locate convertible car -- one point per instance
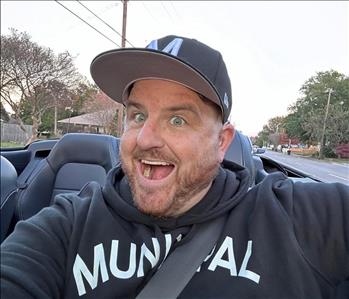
(33, 175)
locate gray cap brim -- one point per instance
(113, 72)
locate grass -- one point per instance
(337, 160)
(334, 160)
(10, 144)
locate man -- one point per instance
(279, 239)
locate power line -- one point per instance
(149, 12)
(173, 7)
(164, 7)
(103, 21)
(87, 23)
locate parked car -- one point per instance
(258, 150)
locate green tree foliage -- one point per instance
(33, 78)
(270, 131)
(307, 115)
(262, 137)
(72, 104)
(294, 127)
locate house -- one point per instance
(107, 121)
(102, 116)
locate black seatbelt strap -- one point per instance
(180, 266)
(22, 180)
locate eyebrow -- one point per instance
(184, 107)
(175, 108)
(131, 103)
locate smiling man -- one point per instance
(279, 239)
(172, 146)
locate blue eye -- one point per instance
(177, 121)
(139, 117)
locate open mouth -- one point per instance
(155, 170)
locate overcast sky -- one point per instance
(270, 48)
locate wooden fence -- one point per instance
(13, 133)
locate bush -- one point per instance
(329, 153)
(315, 155)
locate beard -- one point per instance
(189, 181)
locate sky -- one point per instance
(270, 47)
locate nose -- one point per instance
(150, 136)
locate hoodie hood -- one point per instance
(227, 190)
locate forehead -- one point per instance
(164, 93)
(161, 88)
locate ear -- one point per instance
(226, 136)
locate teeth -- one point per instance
(155, 163)
(146, 172)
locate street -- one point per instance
(324, 171)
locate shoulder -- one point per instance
(79, 202)
(280, 185)
(277, 189)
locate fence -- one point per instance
(13, 133)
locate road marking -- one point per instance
(338, 164)
(338, 177)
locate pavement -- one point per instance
(325, 171)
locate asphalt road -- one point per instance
(324, 171)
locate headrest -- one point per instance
(85, 148)
(8, 178)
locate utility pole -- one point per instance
(124, 17)
(121, 109)
(55, 121)
(321, 154)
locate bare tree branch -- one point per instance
(33, 76)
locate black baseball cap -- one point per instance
(179, 59)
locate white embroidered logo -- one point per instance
(226, 100)
(172, 48)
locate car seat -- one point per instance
(8, 194)
(240, 152)
(76, 159)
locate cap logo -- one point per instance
(172, 48)
(226, 100)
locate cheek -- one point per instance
(127, 143)
(197, 147)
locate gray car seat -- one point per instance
(8, 194)
(76, 159)
(240, 152)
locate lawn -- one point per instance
(10, 144)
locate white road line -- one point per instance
(343, 165)
(338, 177)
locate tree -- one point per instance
(271, 131)
(4, 115)
(109, 113)
(68, 103)
(33, 78)
(306, 118)
(293, 125)
(263, 136)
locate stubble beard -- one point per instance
(198, 177)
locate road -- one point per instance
(324, 171)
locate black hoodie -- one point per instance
(281, 240)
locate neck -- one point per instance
(188, 204)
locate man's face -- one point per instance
(172, 146)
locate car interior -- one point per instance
(31, 177)
(36, 174)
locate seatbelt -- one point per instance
(180, 266)
(22, 180)
(22, 184)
